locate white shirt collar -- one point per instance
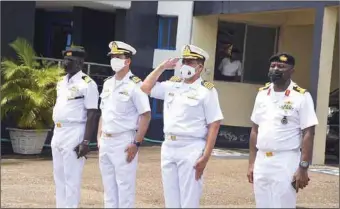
(74, 77)
(126, 77)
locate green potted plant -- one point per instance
(28, 94)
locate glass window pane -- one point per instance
(229, 34)
(260, 45)
(173, 32)
(165, 33)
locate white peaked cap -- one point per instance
(119, 47)
(194, 52)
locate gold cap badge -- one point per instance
(114, 48)
(283, 58)
(187, 51)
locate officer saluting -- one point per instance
(283, 121)
(74, 115)
(125, 109)
(192, 118)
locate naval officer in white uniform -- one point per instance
(125, 109)
(75, 118)
(283, 123)
(192, 118)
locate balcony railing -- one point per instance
(98, 72)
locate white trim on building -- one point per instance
(184, 11)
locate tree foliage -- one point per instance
(28, 90)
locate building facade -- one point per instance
(158, 30)
(307, 30)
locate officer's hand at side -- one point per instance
(200, 166)
(82, 149)
(169, 63)
(250, 173)
(301, 178)
(131, 150)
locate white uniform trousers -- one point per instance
(178, 158)
(67, 169)
(273, 175)
(118, 176)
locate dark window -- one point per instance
(58, 39)
(260, 46)
(167, 32)
(252, 47)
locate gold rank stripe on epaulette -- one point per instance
(135, 79)
(175, 79)
(86, 78)
(107, 78)
(208, 85)
(266, 86)
(299, 89)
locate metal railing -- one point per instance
(98, 72)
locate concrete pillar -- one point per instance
(204, 35)
(323, 47)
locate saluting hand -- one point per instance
(169, 63)
(200, 166)
(131, 150)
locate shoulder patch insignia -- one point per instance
(86, 78)
(266, 86)
(299, 89)
(175, 79)
(208, 85)
(135, 79)
(107, 78)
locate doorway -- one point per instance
(58, 30)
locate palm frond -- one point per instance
(48, 76)
(28, 119)
(24, 51)
(16, 83)
(28, 90)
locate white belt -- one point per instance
(273, 153)
(173, 137)
(109, 135)
(68, 124)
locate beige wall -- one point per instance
(298, 41)
(335, 68)
(236, 99)
(296, 37)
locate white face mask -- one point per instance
(117, 64)
(187, 71)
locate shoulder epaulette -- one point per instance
(107, 78)
(207, 85)
(135, 79)
(266, 86)
(299, 89)
(86, 78)
(175, 79)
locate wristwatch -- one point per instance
(86, 142)
(304, 164)
(137, 143)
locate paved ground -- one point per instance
(29, 183)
